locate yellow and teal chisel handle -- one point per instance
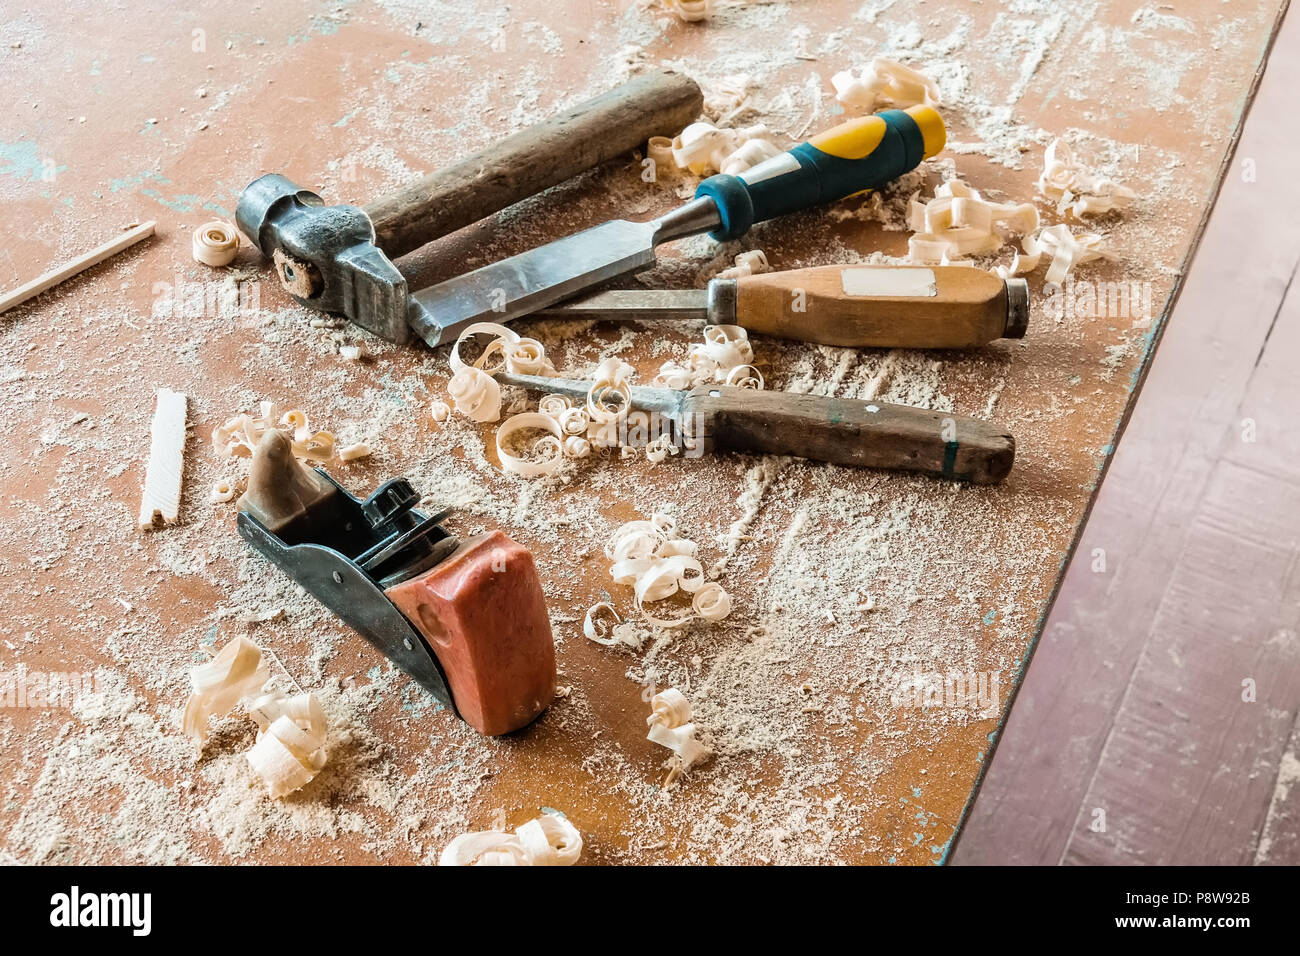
(862, 153)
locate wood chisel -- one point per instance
(863, 153)
(910, 307)
(842, 431)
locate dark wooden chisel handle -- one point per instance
(849, 431)
(573, 141)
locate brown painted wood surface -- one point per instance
(1183, 582)
(560, 147)
(810, 305)
(360, 102)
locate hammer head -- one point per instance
(325, 256)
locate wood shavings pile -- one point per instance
(1077, 189)
(238, 437)
(290, 748)
(548, 840)
(650, 557)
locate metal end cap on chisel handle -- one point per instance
(325, 256)
(1017, 309)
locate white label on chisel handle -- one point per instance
(889, 282)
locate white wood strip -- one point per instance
(161, 501)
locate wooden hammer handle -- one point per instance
(850, 431)
(534, 159)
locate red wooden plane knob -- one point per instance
(484, 614)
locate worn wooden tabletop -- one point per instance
(843, 582)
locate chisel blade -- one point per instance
(633, 304)
(531, 280)
(551, 273)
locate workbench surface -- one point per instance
(842, 581)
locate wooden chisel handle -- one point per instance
(849, 431)
(534, 159)
(915, 307)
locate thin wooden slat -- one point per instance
(80, 264)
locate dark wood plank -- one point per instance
(1191, 768)
(1030, 801)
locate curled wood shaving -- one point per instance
(690, 10)
(748, 263)
(745, 376)
(659, 449)
(650, 557)
(215, 243)
(290, 747)
(748, 155)
(549, 446)
(548, 840)
(613, 376)
(711, 602)
(239, 436)
(476, 394)
(439, 411)
(1067, 250)
(725, 348)
(353, 353)
(670, 726)
(703, 148)
(223, 491)
(528, 357)
(659, 149)
(598, 630)
(1076, 188)
(884, 79)
(958, 222)
(236, 672)
(554, 405)
(575, 446)
(574, 421)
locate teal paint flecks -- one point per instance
(916, 791)
(181, 202)
(990, 617)
(1108, 449)
(346, 118)
(185, 202)
(134, 182)
(22, 160)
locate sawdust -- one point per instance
(841, 580)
